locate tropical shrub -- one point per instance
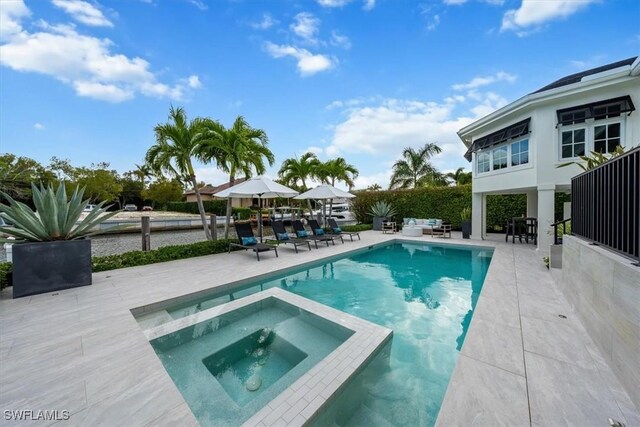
(56, 217)
(6, 272)
(465, 214)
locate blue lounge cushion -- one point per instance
(301, 233)
(247, 241)
(337, 229)
(319, 231)
(283, 236)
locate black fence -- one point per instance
(605, 204)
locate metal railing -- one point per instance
(605, 204)
(561, 228)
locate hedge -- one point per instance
(356, 228)
(217, 207)
(447, 203)
(136, 258)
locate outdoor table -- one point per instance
(527, 224)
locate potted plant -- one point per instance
(465, 216)
(381, 211)
(51, 250)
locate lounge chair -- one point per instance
(282, 237)
(302, 233)
(248, 240)
(338, 231)
(319, 232)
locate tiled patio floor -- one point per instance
(81, 350)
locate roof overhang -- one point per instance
(617, 75)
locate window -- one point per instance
(573, 143)
(520, 153)
(484, 162)
(500, 158)
(606, 137)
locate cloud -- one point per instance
(455, 2)
(340, 40)
(381, 178)
(86, 63)
(11, 13)
(211, 175)
(333, 3)
(433, 23)
(38, 126)
(267, 22)
(480, 81)
(369, 5)
(83, 12)
(199, 4)
(306, 26)
(308, 63)
(533, 14)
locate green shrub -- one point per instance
(356, 228)
(217, 207)
(167, 253)
(447, 203)
(6, 273)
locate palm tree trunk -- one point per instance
(227, 223)
(203, 217)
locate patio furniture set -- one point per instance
(417, 227)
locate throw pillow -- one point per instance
(283, 236)
(249, 241)
(337, 229)
(319, 231)
(301, 233)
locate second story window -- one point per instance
(573, 143)
(484, 162)
(606, 137)
(500, 158)
(520, 153)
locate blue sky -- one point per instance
(88, 80)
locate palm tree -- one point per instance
(177, 142)
(294, 171)
(374, 187)
(415, 169)
(142, 172)
(239, 148)
(460, 177)
(336, 170)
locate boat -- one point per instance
(341, 212)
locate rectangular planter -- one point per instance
(466, 229)
(50, 266)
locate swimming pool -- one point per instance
(425, 293)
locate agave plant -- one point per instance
(382, 209)
(56, 217)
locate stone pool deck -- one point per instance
(82, 351)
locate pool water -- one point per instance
(425, 293)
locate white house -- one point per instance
(517, 149)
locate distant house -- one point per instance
(517, 148)
(207, 193)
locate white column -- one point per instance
(478, 215)
(546, 208)
(532, 204)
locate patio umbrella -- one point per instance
(260, 187)
(325, 192)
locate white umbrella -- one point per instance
(260, 187)
(325, 192)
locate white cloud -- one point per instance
(455, 2)
(308, 63)
(381, 178)
(532, 14)
(267, 22)
(213, 176)
(11, 13)
(479, 81)
(86, 63)
(38, 126)
(199, 4)
(306, 26)
(340, 40)
(489, 102)
(433, 23)
(369, 5)
(333, 3)
(83, 12)
(313, 149)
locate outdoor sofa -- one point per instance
(427, 225)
